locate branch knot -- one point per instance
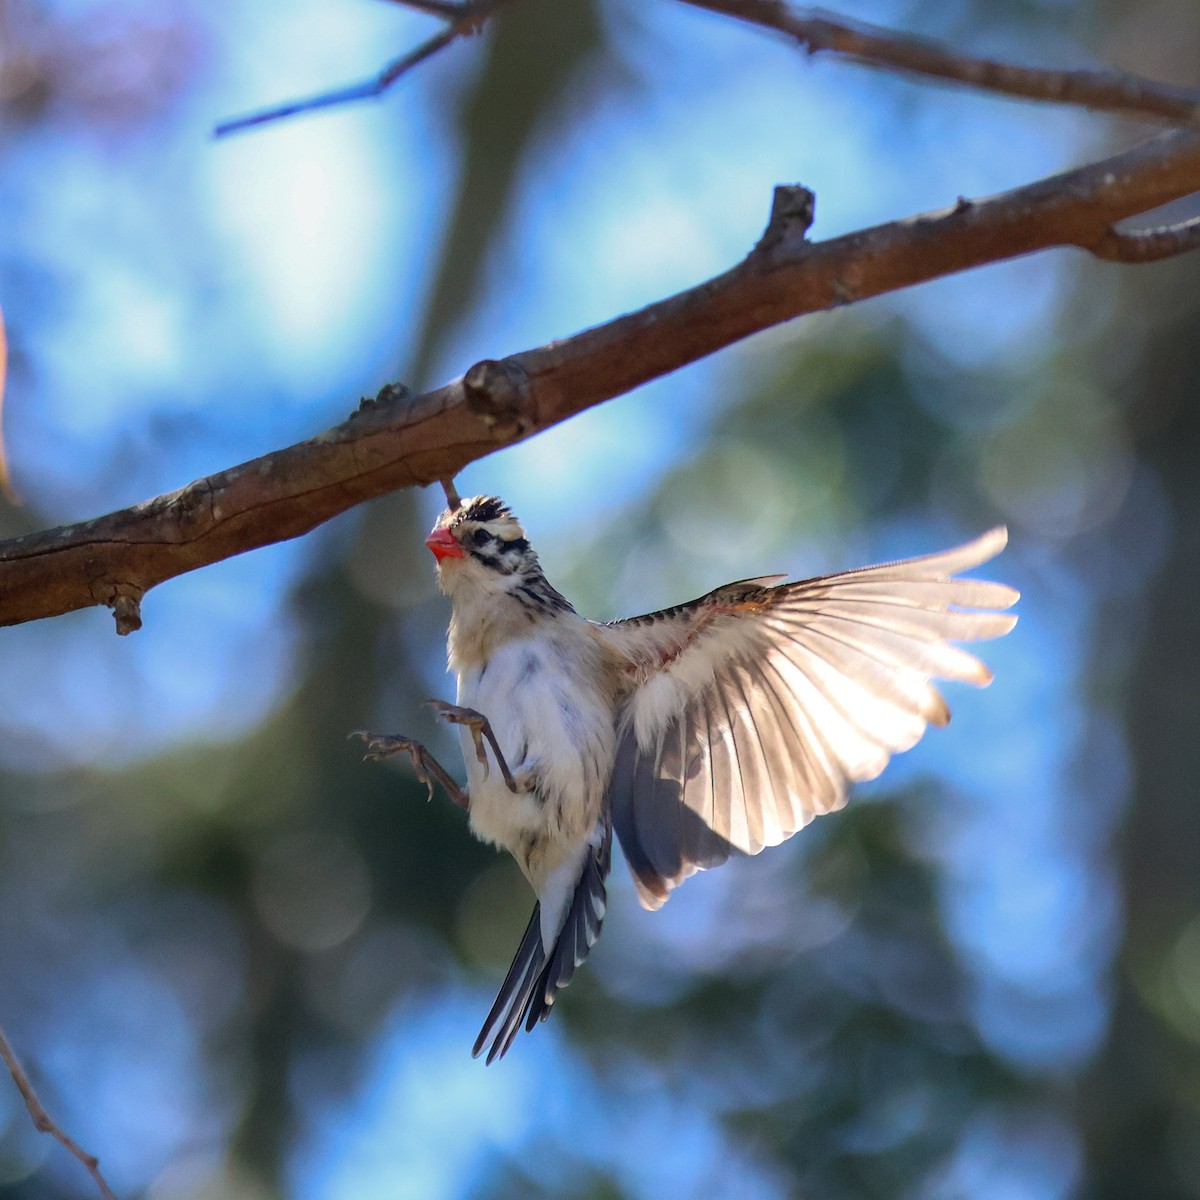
(497, 392)
(388, 396)
(793, 208)
(125, 600)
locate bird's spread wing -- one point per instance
(754, 706)
(537, 972)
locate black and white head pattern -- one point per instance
(491, 536)
(489, 533)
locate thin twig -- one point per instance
(453, 499)
(446, 9)
(873, 46)
(6, 487)
(465, 19)
(1148, 245)
(44, 1123)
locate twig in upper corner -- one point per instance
(873, 46)
(448, 9)
(465, 18)
(44, 1123)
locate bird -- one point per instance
(709, 730)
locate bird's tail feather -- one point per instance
(515, 993)
(533, 980)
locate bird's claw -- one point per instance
(425, 767)
(473, 721)
(381, 746)
(417, 758)
(480, 728)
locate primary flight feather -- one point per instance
(718, 727)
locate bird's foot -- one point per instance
(424, 765)
(480, 728)
(474, 721)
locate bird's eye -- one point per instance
(481, 537)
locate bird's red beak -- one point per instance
(443, 544)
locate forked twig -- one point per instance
(818, 31)
(465, 18)
(1148, 245)
(44, 1123)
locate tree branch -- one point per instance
(449, 9)
(397, 441)
(1148, 245)
(44, 1123)
(467, 17)
(873, 46)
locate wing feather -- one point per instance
(934, 660)
(769, 788)
(883, 714)
(659, 809)
(715, 784)
(774, 782)
(920, 593)
(906, 689)
(801, 739)
(752, 790)
(753, 708)
(930, 624)
(940, 565)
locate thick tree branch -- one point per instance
(397, 441)
(44, 1123)
(872, 46)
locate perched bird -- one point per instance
(707, 730)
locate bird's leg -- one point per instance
(426, 767)
(480, 728)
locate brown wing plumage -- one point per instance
(755, 706)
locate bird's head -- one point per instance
(480, 545)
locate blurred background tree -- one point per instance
(241, 964)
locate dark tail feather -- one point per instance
(530, 986)
(579, 932)
(515, 992)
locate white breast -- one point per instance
(554, 727)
